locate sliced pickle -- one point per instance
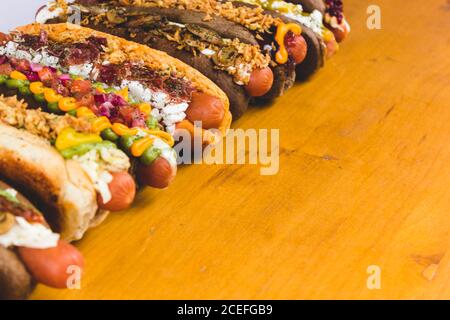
(225, 57)
(115, 17)
(190, 41)
(145, 21)
(205, 34)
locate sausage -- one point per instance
(50, 266)
(207, 109)
(261, 81)
(296, 46)
(341, 32)
(123, 191)
(159, 174)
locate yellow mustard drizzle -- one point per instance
(67, 104)
(85, 112)
(166, 137)
(327, 35)
(51, 96)
(282, 54)
(69, 138)
(16, 75)
(122, 130)
(138, 148)
(37, 87)
(100, 123)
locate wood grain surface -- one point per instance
(364, 180)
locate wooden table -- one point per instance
(364, 180)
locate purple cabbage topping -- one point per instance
(31, 76)
(113, 99)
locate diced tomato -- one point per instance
(81, 87)
(47, 75)
(127, 113)
(59, 87)
(67, 83)
(32, 217)
(5, 69)
(86, 100)
(20, 65)
(131, 116)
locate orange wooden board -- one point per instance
(364, 180)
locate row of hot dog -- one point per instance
(90, 113)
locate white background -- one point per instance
(18, 12)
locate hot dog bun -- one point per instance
(122, 50)
(60, 186)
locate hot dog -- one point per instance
(139, 74)
(262, 25)
(29, 251)
(322, 43)
(333, 15)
